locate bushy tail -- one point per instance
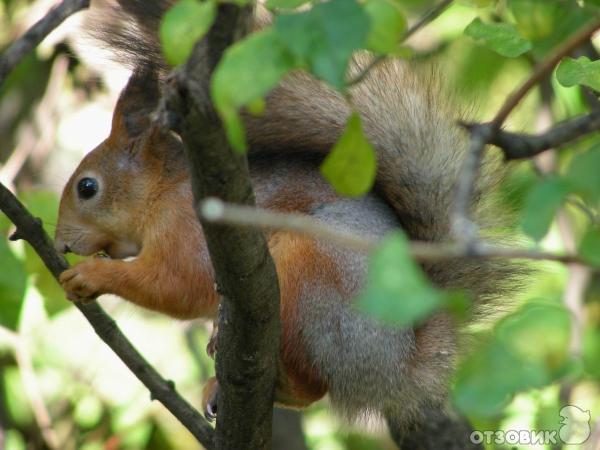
(420, 147)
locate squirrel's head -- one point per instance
(107, 199)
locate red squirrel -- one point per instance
(131, 197)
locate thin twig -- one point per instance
(463, 228)
(214, 210)
(522, 146)
(428, 17)
(30, 229)
(22, 46)
(542, 69)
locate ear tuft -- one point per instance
(136, 103)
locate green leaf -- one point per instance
(388, 25)
(285, 4)
(529, 349)
(88, 411)
(247, 72)
(548, 23)
(582, 174)
(13, 282)
(182, 26)
(486, 380)
(541, 205)
(589, 248)
(458, 304)
(539, 333)
(503, 38)
(44, 204)
(572, 72)
(324, 37)
(17, 403)
(397, 291)
(591, 351)
(351, 166)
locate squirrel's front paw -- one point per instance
(81, 282)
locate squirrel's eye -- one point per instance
(87, 187)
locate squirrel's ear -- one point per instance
(136, 104)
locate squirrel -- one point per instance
(131, 197)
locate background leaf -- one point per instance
(182, 26)
(541, 205)
(248, 70)
(351, 166)
(503, 38)
(13, 281)
(572, 72)
(397, 291)
(589, 248)
(388, 25)
(324, 37)
(582, 174)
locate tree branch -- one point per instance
(521, 145)
(22, 46)
(249, 328)
(463, 228)
(30, 229)
(216, 211)
(542, 69)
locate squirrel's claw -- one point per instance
(210, 395)
(211, 347)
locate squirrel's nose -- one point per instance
(60, 246)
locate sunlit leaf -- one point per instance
(541, 205)
(503, 38)
(324, 37)
(352, 164)
(397, 290)
(540, 334)
(589, 248)
(529, 349)
(16, 402)
(488, 378)
(182, 26)
(248, 70)
(44, 204)
(13, 281)
(572, 72)
(88, 411)
(388, 25)
(591, 351)
(285, 4)
(582, 174)
(548, 23)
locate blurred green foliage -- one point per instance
(518, 373)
